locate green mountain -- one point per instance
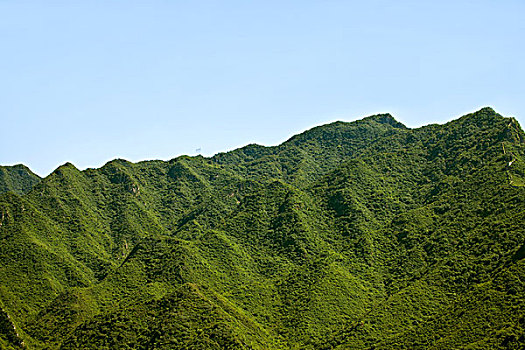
(361, 235)
(17, 178)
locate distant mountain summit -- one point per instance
(359, 235)
(386, 119)
(17, 178)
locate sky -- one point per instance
(89, 81)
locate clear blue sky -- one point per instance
(89, 81)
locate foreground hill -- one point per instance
(350, 235)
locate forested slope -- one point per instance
(350, 235)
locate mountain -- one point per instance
(17, 178)
(361, 235)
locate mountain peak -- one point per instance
(67, 165)
(17, 178)
(485, 116)
(487, 110)
(386, 118)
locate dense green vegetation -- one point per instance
(348, 236)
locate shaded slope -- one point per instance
(18, 179)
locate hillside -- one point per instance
(354, 235)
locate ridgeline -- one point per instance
(361, 235)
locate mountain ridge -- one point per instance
(349, 235)
(381, 118)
